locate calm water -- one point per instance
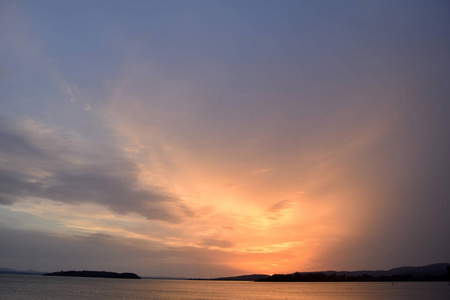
(14, 287)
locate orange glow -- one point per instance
(268, 216)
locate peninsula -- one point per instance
(98, 274)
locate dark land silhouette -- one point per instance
(435, 272)
(99, 274)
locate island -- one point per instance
(98, 274)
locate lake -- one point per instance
(14, 287)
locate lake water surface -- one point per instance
(14, 287)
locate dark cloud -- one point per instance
(14, 141)
(5, 200)
(15, 185)
(28, 172)
(114, 189)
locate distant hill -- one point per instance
(21, 272)
(434, 272)
(100, 274)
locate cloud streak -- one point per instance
(66, 178)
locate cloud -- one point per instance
(277, 210)
(71, 90)
(14, 141)
(33, 166)
(280, 205)
(97, 235)
(216, 243)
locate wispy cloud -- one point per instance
(280, 205)
(216, 243)
(71, 90)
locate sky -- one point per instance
(221, 138)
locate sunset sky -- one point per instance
(219, 138)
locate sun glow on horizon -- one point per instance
(192, 140)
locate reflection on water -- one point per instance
(13, 287)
